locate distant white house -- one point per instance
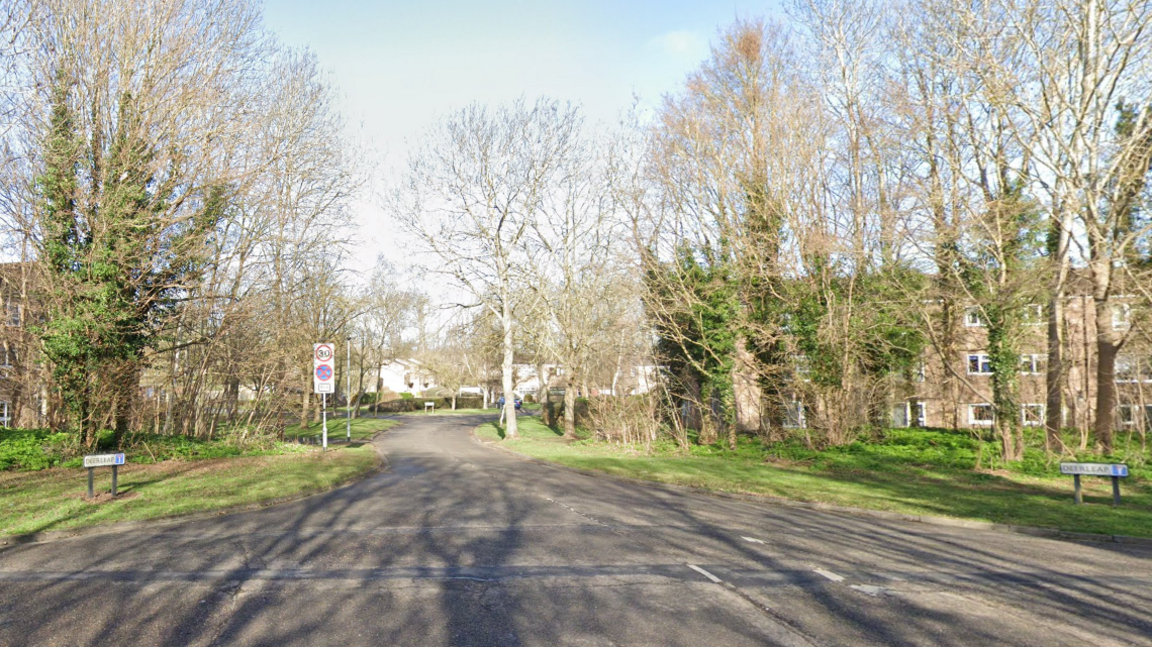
(632, 380)
(405, 376)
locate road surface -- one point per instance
(462, 544)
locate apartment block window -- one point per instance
(1125, 415)
(1121, 316)
(1132, 370)
(1033, 363)
(5, 414)
(979, 364)
(12, 313)
(1033, 314)
(794, 415)
(918, 375)
(908, 414)
(803, 368)
(1032, 415)
(973, 318)
(981, 415)
(7, 356)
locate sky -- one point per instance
(400, 66)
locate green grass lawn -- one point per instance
(905, 477)
(362, 429)
(53, 499)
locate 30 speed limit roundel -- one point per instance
(324, 372)
(323, 353)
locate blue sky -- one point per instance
(400, 65)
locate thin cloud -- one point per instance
(679, 43)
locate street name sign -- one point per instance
(92, 461)
(1094, 469)
(323, 368)
(103, 460)
(1116, 471)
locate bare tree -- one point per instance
(471, 195)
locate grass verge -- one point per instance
(878, 481)
(362, 429)
(53, 499)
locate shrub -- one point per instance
(628, 420)
(36, 449)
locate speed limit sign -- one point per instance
(323, 368)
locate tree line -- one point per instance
(820, 206)
(177, 189)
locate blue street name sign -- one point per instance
(92, 461)
(1094, 469)
(103, 460)
(1116, 471)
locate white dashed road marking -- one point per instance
(754, 540)
(829, 574)
(715, 580)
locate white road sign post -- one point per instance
(348, 385)
(1115, 471)
(92, 461)
(323, 379)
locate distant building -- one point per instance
(404, 376)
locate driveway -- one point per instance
(461, 544)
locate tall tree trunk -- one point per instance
(746, 390)
(510, 431)
(304, 406)
(1107, 347)
(1054, 377)
(542, 393)
(569, 406)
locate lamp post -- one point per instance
(348, 384)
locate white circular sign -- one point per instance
(324, 353)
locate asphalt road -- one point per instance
(462, 544)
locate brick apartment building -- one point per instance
(956, 391)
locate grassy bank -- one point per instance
(909, 471)
(207, 478)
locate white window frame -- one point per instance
(1039, 420)
(803, 367)
(5, 413)
(1121, 316)
(914, 412)
(973, 317)
(972, 421)
(920, 417)
(983, 362)
(1131, 410)
(795, 416)
(1036, 363)
(1033, 315)
(1136, 366)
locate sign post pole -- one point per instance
(323, 371)
(92, 461)
(1116, 471)
(348, 384)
